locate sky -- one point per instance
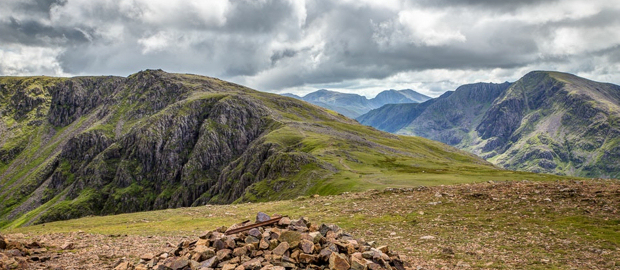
(299, 46)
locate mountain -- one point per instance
(398, 96)
(354, 105)
(548, 122)
(71, 147)
(349, 105)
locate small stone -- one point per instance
(273, 244)
(124, 266)
(251, 240)
(229, 266)
(345, 247)
(179, 264)
(338, 262)
(256, 233)
(325, 253)
(240, 267)
(308, 258)
(264, 244)
(384, 249)
(230, 242)
(291, 237)
(285, 221)
(210, 263)
(147, 256)
(327, 228)
(427, 237)
(253, 264)
(307, 246)
(261, 217)
(316, 237)
(15, 253)
(223, 254)
(358, 263)
(2, 242)
(374, 266)
(66, 246)
(204, 252)
(274, 233)
(238, 252)
(281, 249)
(219, 244)
(206, 235)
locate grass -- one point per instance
(499, 225)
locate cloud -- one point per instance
(298, 45)
(417, 27)
(19, 60)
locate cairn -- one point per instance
(277, 243)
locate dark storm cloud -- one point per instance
(39, 6)
(278, 44)
(30, 32)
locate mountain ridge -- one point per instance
(354, 105)
(153, 140)
(546, 121)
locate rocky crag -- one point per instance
(71, 147)
(547, 122)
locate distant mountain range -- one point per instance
(548, 122)
(354, 105)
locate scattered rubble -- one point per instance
(16, 255)
(279, 244)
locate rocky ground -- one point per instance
(507, 225)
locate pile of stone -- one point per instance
(286, 244)
(16, 255)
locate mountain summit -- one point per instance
(354, 105)
(71, 147)
(545, 122)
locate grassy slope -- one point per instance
(499, 225)
(360, 157)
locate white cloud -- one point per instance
(155, 43)
(578, 40)
(429, 27)
(20, 60)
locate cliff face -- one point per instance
(547, 122)
(556, 123)
(80, 146)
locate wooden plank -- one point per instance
(251, 226)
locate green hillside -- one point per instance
(81, 146)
